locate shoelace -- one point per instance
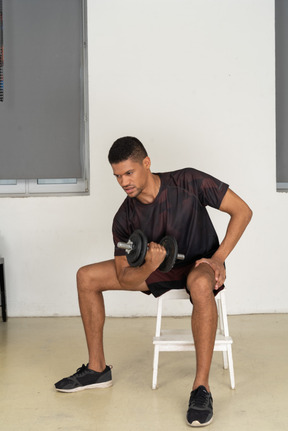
(200, 399)
(80, 370)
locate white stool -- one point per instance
(172, 340)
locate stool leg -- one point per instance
(155, 367)
(221, 326)
(231, 367)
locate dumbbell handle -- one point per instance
(128, 246)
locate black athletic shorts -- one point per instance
(160, 282)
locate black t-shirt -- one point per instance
(178, 210)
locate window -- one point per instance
(44, 115)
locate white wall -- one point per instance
(194, 80)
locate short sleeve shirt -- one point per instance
(178, 210)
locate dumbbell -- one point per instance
(136, 249)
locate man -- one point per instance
(172, 203)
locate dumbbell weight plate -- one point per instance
(170, 244)
(137, 255)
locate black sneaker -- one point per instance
(200, 409)
(85, 379)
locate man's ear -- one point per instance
(147, 162)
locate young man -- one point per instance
(172, 203)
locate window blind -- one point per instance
(281, 36)
(1, 54)
(42, 115)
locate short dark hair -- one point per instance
(126, 148)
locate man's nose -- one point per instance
(125, 182)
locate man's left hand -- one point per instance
(218, 268)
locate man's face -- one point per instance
(132, 176)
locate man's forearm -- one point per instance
(235, 229)
(240, 214)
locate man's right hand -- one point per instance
(155, 255)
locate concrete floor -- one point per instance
(36, 352)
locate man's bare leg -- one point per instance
(200, 283)
(92, 280)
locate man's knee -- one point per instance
(200, 284)
(97, 277)
(86, 279)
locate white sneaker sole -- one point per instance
(197, 424)
(83, 388)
